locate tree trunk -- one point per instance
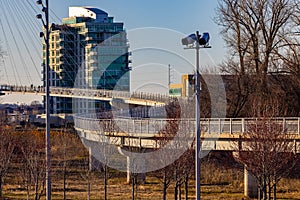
(274, 191)
(274, 186)
(179, 188)
(176, 191)
(65, 169)
(105, 182)
(186, 187)
(165, 186)
(133, 186)
(36, 189)
(89, 189)
(1, 185)
(27, 188)
(264, 189)
(269, 190)
(64, 181)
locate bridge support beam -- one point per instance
(250, 185)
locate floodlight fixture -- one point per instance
(39, 2)
(39, 16)
(202, 40)
(42, 34)
(191, 39)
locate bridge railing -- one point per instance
(241, 125)
(208, 125)
(87, 92)
(21, 88)
(120, 125)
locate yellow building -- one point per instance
(185, 88)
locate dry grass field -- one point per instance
(221, 178)
(218, 183)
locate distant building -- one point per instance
(185, 88)
(91, 49)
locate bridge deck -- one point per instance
(93, 94)
(208, 125)
(217, 134)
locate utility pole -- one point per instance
(169, 76)
(46, 37)
(194, 41)
(48, 146)
(198, 131)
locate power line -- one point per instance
(15, 72)
(24, 43)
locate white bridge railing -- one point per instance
(86, 93)
(153, 126)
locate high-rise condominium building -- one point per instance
(88, 50)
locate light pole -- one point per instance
(45, 9)
(196, 41)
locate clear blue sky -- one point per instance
(170, 21)
(183, 16)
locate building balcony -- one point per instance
(92, 68)
(93, 61)
(93, 53)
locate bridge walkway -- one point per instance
(216, 134)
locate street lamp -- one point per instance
(45, 9)
(196, 41)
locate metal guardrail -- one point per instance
(153, 126)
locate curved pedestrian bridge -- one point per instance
(216, 133)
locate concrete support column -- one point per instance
(94, 163)
(136, 169)
(250, 185)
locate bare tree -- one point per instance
(104, 148)
(254, 31)
(7, 146)
(33, 173)
(165, 175)
(290, 59)
(267, 152)
(66, 144)
(182, 171)
(103, 151)
(85, 171)
(177, 131)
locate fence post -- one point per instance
(243, 125)
(230, 125)
(298, 125)
(220, 131)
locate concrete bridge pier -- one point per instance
(136, 169)
(94, 163)
(250, 185)
(93, 148)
